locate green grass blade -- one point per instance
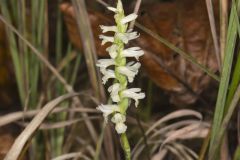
(225, 77)
(237, 154)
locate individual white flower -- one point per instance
(118, 118)
(134, 93)
(129, 70)
(126, 37)
(108, 28)
(112, 9)
(104, 63)
(112, 50)
(133, 52)
(107, 74)
(114, 90)
(129, 18)
(134, 66)
(118, 9)
(120, 128)
(108, 109)
(106, 39)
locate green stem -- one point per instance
(126, 146)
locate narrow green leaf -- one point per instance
(225, 77)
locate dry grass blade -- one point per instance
(86, 34)
(160, 155)
(48, 126)
(214, 32)
(12, 117)
(173, 126)
(26, 134)
(223, 25)
(174, 115)
(71, 156)
(161, 132)
(136, 9)
(191, 131)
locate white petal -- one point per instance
(108, 28)
(119, 6)
(125, 71)
(105, 62)
(112, 50)
(112, 9)
(126, 37)
(114, 90)
(120, 128)
(134, 66)
(108, 109)
(118, 118)
(107, 75)
(123, 37)
(130, 70)
(129, 18)
(133, 93)
(106, 39)
(133, 52)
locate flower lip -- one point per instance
(108, 109)
(129, 18)
(104, 63)
(107, 75)
(130, 70)
(134, 93)
(106, 39)
(133, 52)
(126, 37)
(108, 28)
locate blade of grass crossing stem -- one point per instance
(225, 77)
(185, 55)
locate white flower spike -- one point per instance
(123, 72)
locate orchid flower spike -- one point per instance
(117, 69)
